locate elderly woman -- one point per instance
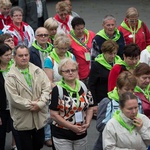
(126, 82)
(142, 90)
(63, 18)
(60, 51)
(70, 109)
(134, 30)
(100, 68)
(127, 129)
(20, 31)
(51, 25)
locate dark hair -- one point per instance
(125, 97)
(109, 46)
(126, 79)
(131, 50)
(4, 48)
(3, 37)
(77, 21)
(19, 46)
(142, 69)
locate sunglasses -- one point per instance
(42, 35)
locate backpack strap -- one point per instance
(83, 87)
(52, 60)
(60, 89)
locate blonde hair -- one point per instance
(6, 3)
(51, 23)
(132, 12)
(61, 39)
(65, 62)
(61, 6)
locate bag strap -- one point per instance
(60, 91)
(83, 87)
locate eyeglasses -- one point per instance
(69, 71)
(133, 20)
(9, 40)
(42, 35)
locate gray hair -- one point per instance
(16, 8)
(108, 17)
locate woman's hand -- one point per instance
(138, 122)
(78, 129)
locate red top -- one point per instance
(79, 52)
(142, 37)
(145, 103)
(113, 75)
(4, 21)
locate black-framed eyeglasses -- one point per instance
(69, 71)
(42, 35)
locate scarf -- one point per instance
(70, 90)
(20, 31)
(5, 19)
(8, 66)
(54, 55)
(64, 23)
(44, 51)
(103, 34)
(146, 92)
(122, 122)
(27, 76)
(126, 65)
(114, 94)
(76, 39)
(101, 59)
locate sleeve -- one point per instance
(45, 90)
(54, 99)
(96, 46)
(48, 63)
(121, 43)
(93, 78)
(110, 138)
(14, 97)
(147, 34)
(104, 114)
(145, 130)
(113, 75)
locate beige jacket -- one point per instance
(116, 137)
(20, 97)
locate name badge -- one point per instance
(87, 56)
(78, 116)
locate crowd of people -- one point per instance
(56, 75)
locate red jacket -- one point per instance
(142, 36)
(79, 53)
(145, 103)
(4, 21)
(113, 75)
